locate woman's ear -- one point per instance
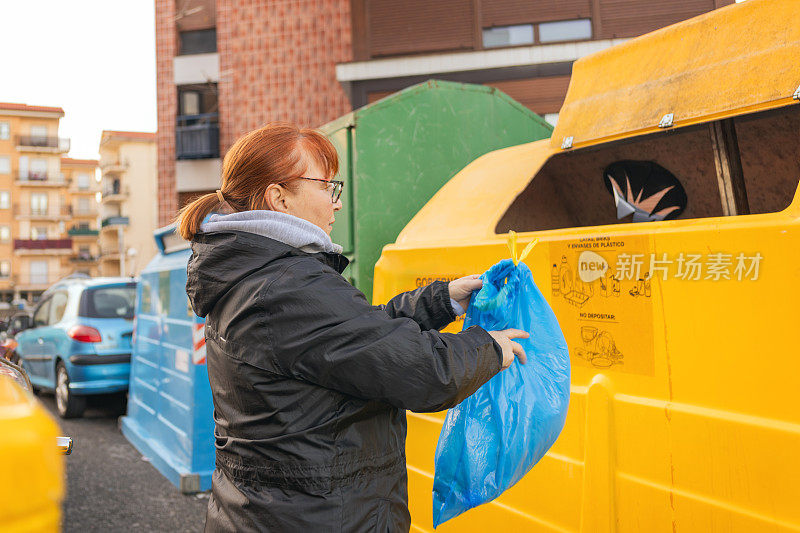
(276, 198)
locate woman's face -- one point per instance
(310, 200)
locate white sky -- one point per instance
(94, 58)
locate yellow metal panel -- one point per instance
(481, 192)
(31, 470)
(737, 59)
(704, 440)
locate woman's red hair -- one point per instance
(269, 155)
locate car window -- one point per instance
(58, 304)
(109, 302)
(41, 315)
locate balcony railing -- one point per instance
(40, 178)
(47, 212)
(109, 252)
(114, 190)
(84, 212)
(28, 281)
(83, 258)
(42, 244)
(114, 221)
(82, 232)
(36, 141)
(111, 167)
(197, 136)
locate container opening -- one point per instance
(662, 176)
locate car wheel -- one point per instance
(67, 404)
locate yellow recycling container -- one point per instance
(31, 467)
(668, 219)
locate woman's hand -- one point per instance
(510, 348)
(462, 288)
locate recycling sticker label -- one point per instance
(604, 308)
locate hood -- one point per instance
(281, 227)
(224, 253)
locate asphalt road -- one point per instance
(111, 488)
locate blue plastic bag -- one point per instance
(494, 437)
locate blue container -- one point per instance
(170, 411)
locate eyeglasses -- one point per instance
(336, 191)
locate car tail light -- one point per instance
(84, 334)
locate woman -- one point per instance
(310, 382)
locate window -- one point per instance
(39, 132)
(58, 304)
(109, 302)
(83, 181)
(508, 35)
(5, 130)
(5, 200)
(83, 225)
(39, 233)
(42, 313)
(83, 205)
(190, 103)
(5, 269)
(5, 233)
(39, 203)
(198, 98)
(565, 30)
(198, 41)
(5, 164)
(38, 169)
(38, 271)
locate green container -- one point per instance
(395, 154)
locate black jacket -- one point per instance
(310, 385)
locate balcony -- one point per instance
(28, 281)
(114, 193)
(83, 213)
(114, 167)
(74, 189)
(53, 214)
(197, 136)
(75, 231)
(42, 246)
(81, 257)
(35, 143)
(110, 222)
(109, 253)
(40, 179)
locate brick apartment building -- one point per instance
(228, 66)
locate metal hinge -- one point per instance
(796, 94)
(566, 144)
(666, 121)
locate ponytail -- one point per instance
(191, 216)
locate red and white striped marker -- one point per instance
(199, 342)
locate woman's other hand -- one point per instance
(462, 288)
(509, 347)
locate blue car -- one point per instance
(79, 340)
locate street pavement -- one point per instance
(111, 488)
